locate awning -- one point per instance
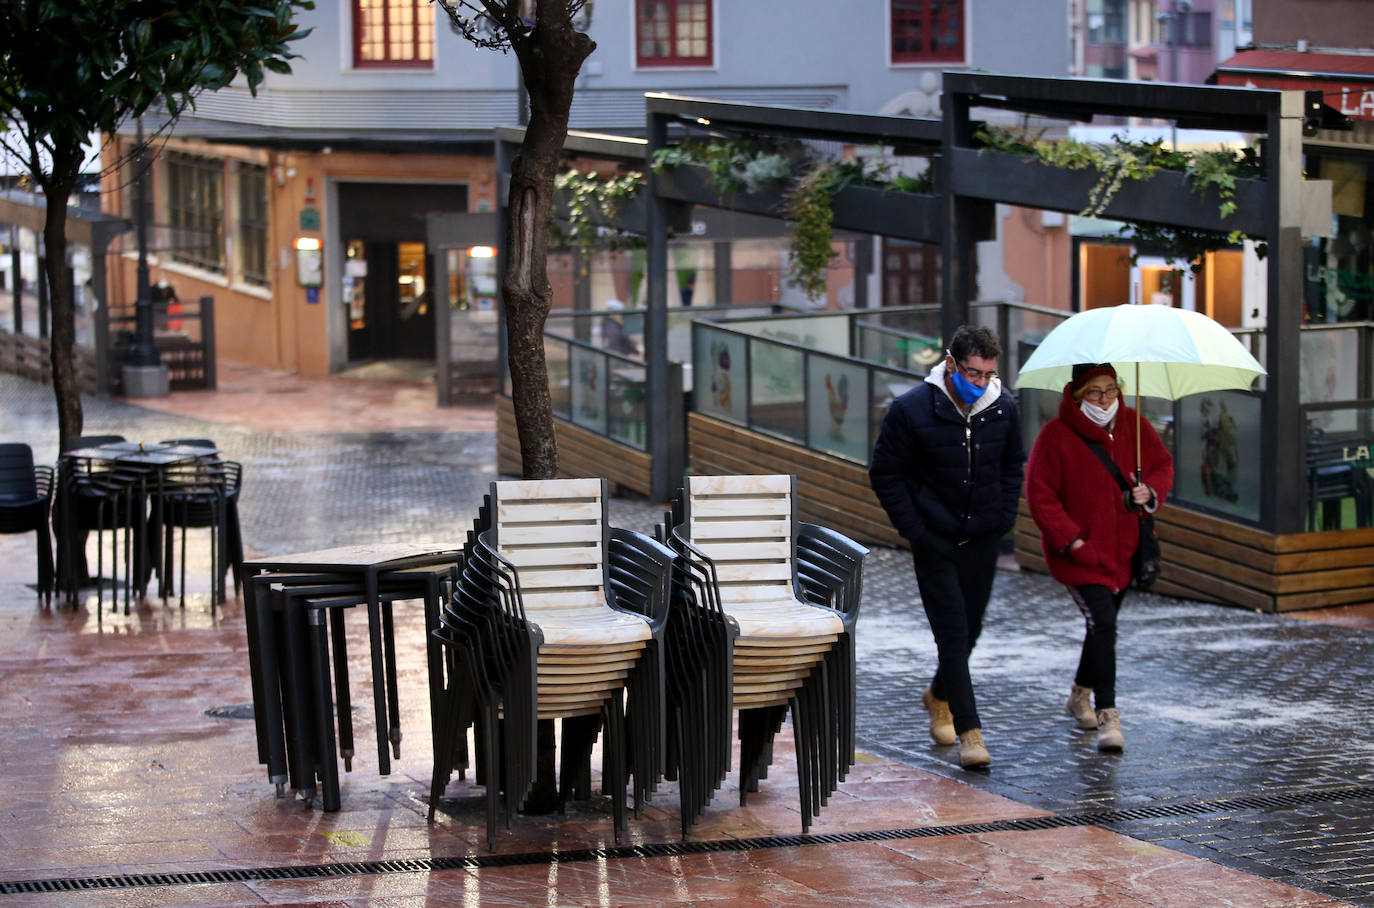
(1346, 81)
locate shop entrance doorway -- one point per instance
(387, 293)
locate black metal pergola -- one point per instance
(859, 209)
(1271, 208)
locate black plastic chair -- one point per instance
(95, 495)
(26, 505)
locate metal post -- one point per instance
(443, 318)
(207, 339)
(144, 350)
(656, 324)
(956, 288)
(1282, 433)
(43, 290)
(724, 272)
(17, 272)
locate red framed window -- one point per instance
(673, 33)
(927, 31)
(393, 33)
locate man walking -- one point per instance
(947, 469)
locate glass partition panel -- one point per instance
(1037, 408)
(1216, 439)
(834, 426)
(1329, 370)
(718, 374)
(777, 392)
(625, 417)
(897, 348)
(1339, 468)
(828, 334)
(886, 386)
(920, 321)
(556, 356)
(589, 389)
(680, 325)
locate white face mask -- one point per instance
(1102, 418)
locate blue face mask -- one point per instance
(968, 392)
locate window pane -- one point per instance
(252, 224)
(390, 32)
(674, 33)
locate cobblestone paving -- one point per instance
(1217, 703)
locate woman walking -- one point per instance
(1089, 528)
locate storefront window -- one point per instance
(1338, 272)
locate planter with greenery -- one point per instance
(817, 195)
(1184, 203)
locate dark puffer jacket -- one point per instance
(938, 472)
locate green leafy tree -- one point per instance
(550, 49)
(71, 68)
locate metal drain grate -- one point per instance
(675, 849)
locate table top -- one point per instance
(361, 557)
(136, 452)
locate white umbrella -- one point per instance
(1172, 353)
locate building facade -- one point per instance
(302, 210)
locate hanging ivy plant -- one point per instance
(593, 209)
(1122, 160)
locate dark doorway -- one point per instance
(390, 301)
(388, 288)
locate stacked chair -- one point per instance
(99, 496)
(26, 505)
(296, 623)
(763, 622)
(554, 615)
(203, 495)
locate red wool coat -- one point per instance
(1072, 495)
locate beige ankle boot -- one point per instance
(1109, 730)
(941, 719)
(972, 753)
(1080, 707)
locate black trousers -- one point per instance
(955, 582)
(1097, 662)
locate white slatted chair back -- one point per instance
(554, 532)
(744, 524)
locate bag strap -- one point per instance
(1107, 462)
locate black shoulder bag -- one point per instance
(1145, 562)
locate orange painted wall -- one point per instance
(1038, 258)
(279, 329)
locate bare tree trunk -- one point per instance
(550, 58)
(66, 389)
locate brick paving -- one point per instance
(1220, 707)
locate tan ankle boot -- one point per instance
(972, 753)
(1109, 730)
(941, 719)
(1080, 707)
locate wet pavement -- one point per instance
(1247, 779)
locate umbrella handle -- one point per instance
(1137, 423)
